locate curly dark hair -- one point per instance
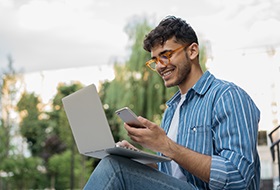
(168, 28)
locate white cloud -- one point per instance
(54, 34)
(45, 35)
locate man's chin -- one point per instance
(168, 85)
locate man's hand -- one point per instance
(152, 136)
(126, 144)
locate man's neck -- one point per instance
(190, 81)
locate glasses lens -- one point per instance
(153, 64)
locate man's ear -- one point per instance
(193, 51)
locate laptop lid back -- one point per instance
(87, 120)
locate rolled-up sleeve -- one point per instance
(235, 160)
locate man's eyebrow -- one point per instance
(161, 53)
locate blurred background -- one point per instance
(51, 48)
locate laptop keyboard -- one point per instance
(129, 148)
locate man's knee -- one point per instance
(109, 162)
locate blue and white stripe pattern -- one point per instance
(219, 119)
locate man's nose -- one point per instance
(160, 66)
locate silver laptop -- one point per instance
(91, 130)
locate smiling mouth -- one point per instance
(166, 73)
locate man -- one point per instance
(209, 128)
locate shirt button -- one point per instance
(194, 129)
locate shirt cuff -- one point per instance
(218, 174)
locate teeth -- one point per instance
(167, 73)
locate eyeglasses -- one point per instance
(163, 58)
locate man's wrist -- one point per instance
(172, 149)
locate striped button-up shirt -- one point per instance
(219, 119)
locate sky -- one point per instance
(55, 34)
(63, 40)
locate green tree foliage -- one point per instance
(59, 165)
(14, 168)
(8, 79)
(24, 173)
(32, 126)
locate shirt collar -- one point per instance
(204, 83)
(200, 87)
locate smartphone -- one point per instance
(129, 117)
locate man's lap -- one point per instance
(115, 172)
